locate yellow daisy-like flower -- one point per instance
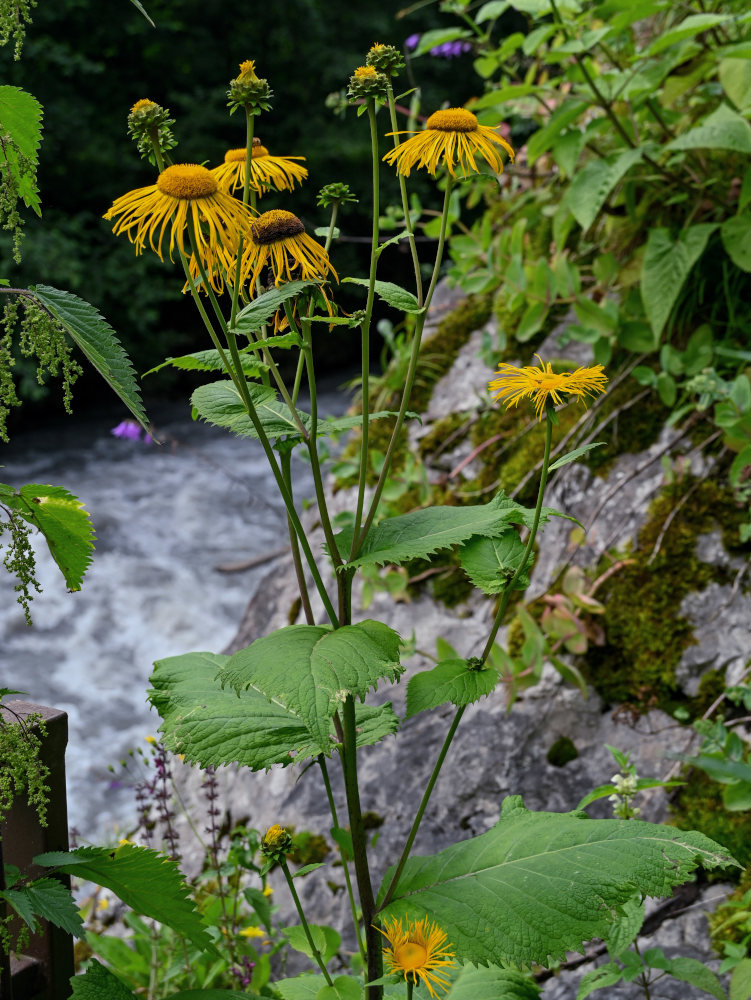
(143, 105)
(418, 951)
(183, 191)
(266, 171)
(541, 384)
(278, 238)
(452, 137)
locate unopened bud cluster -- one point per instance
(149, 127)
(366, 83)
(385, 58)
(276, 842)
(336, 193)
(249, 91)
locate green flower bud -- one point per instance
(149, 126)
(276, 841)
(385, 58)
(366, 82)
(336, 193)
(249, 91)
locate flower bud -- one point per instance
(336, 193)
(365, 83)
(385, 58)
(149, 127)
(276, 841)
(249, 91)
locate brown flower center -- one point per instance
(187, 181)
(275, 225)
(452, 120)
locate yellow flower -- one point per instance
(248, 71)
(150, 739)
(268, 892)
(143, 105)
(278, 238)
(418, 951)
(275, 841)
(252, 932)
(539, 384)
(452, 137)
(266, 171)
(183, 191)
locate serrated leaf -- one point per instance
(220, 404)
(723, 129)
(479, 983)
(146, 881)
(210, 361)
(19, 901)
(53, 901)
(591, 186)
(305, 987)
(392, 294)
(21, 119)
(65, 524)
(326, 939)
(490, 563)
(258, 312)
(336, 425)
(539, 884)
(96, 338)
(343, 988)
(450, 680)
(626, 927)
(375, 722)
(260, 903)
(98, 983)
(689, 970)
(572, 456)
(423, 532)
(667, 263)
(282, 340)
(321, 667)
(597, 979)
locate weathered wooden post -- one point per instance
(44, 971)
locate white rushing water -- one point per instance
(165, 517)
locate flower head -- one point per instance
(541, 384)
(367, 82)
(183, 194)
(417, 951)
(385, 58)
(335, 193)
(276, 841)
(249, 90)
(452, 136)
(278, 238)
(132, 431)
(149, 126)
(266, 171)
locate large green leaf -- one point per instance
(723, 129)
(211, 725)
(210, 361)
(21, 120)
(392, 294)
(146, 881)
(260, 310)
(450, 680)
(64, 522)
(98, 983)
(490, 563)
(47, 898)
(592, 185)
(667, 263)
(423, 532)
(736, 238)
(96, 338)
(688, 28)
(320, 667)
(735, 77)
(539, 884)
(480, 983)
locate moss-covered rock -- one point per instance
(698, 806)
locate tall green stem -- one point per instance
(246, 197)
(405, 199)
(366, 332)
(530, 541)
(298, 906)
(286, 459)
(345, 861)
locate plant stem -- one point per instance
(405, 200)
(410, 987)
(423, 805)
(359, 848)
(286, 459)
(530, 541)
(298, 906)
(6, 982)
(345, 862)
(411, 371)
(246, 197)
(365, 328)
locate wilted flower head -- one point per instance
(278, 238)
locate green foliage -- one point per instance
(491, 983)
(490, 563)
(145, 880)
(20, 135)
(96, 338)
(14, 16)
(457, 681)
(46, 898)
(211, 725)
(210, 361)
(99, 983)
(21, 767)
(262, 309)
(523, 891)
(393, 295)
(326, 940)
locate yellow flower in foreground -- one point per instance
(278, 238)
(418, 951)
(266, 171)
(183, 191)
(252, 932)
(539, 384)
(452, 137)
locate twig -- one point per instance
(264, 557)
(669, 520)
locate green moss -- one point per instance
(515, 637)
(440, 430)
(561, 752)
(308, 848)
(645, 634)
(726, 925)
(711, 687)
(632, 430)
(698, 806)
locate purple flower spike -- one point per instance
(130, 431)
(412, 42)
(448, 50)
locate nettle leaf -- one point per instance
(605, 975)
(423, 532)
(96, 338)
(592, 185)
(321, 667)
(667, 263)
(51, 900)
(305, 987)
(220, 404)
(392, 294)
(723, 129)
(146, 881)
(282, 340)
(492, 984)
(210, 361)
(211, 725)
(450, 680)
(21, 119)
(490, 563)
(327, 940)
(540, 884)
(98, 983)
(65, 524)
(261, 310)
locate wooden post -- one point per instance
(44, 971)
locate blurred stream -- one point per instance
(165, 517)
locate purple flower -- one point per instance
(130, 431)
(412, 42)
(450, 49)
